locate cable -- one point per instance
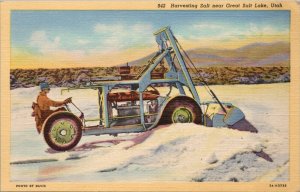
(198, 73)
(214, 96)
(194, 68)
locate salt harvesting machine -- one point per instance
(134, 104)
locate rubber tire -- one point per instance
(185, 102)
(48, 126)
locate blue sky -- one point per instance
(81, 35)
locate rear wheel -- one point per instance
(181, 110)
(182, 115)
(62, 131)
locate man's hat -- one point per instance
(44, 86)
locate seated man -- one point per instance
(42, 107)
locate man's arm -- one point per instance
(55, 103)
(58, 103)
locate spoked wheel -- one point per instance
(181, 110)
(62, 131)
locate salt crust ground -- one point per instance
(178, 152)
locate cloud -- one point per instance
(120, 36)
(141, 27)
(83, 41)
(108, 28)
(203, 26)
(228, 31)
(107, 38)
(109, 44)
(52, 46)
(229, 35)
(40, 40)
(120, 28)
(265, 30)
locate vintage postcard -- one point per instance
(155, 95)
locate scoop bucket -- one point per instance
(222, 116)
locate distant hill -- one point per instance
(252, 55)
(251, 64)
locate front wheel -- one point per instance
(62, 131)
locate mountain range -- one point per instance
(275, 54)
